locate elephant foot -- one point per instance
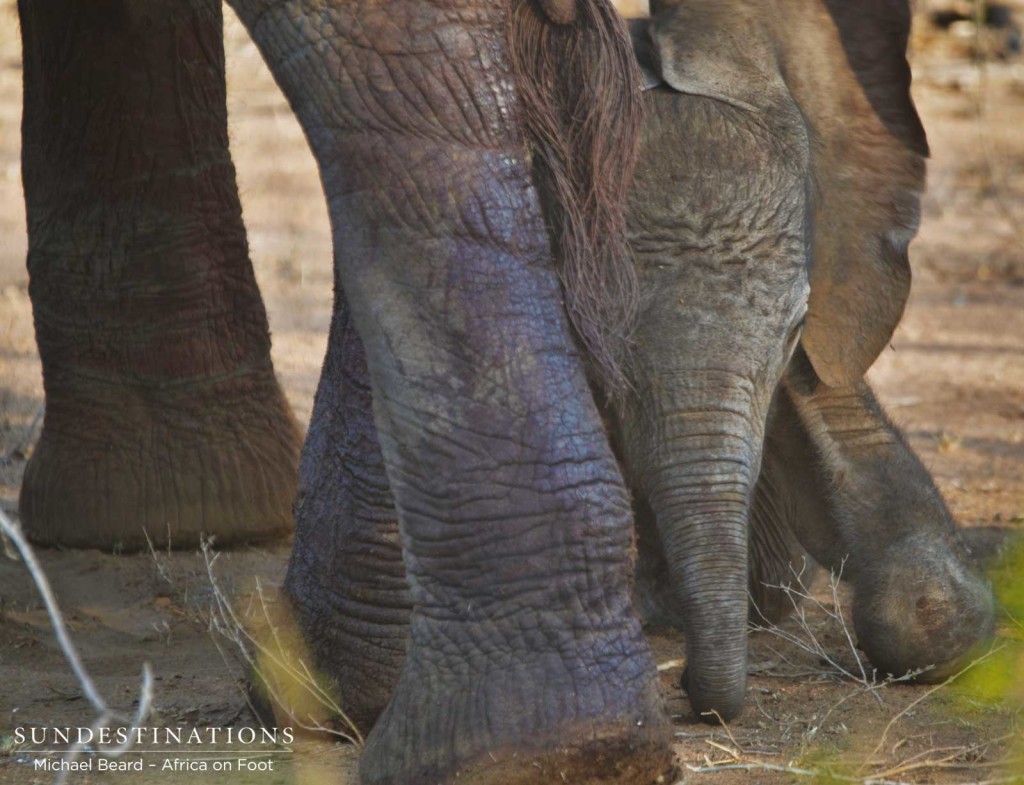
(119, 461)
(319, 671)
(346, 584)
(597, 755)
(924, 608)
(353, 616)
(581, 707)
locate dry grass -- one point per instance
(883, 758)
(267, 643)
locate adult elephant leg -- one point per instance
(918, 599)
(346, 580)
(162, 411)
(525, 663)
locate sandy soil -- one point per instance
(954, 381)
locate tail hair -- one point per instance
(580, 93)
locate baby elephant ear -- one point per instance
(846, 67)
(721, 49)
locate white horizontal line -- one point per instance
(166, 752)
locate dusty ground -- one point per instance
(954, 381)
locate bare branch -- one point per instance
(105, 715)
(224, 620)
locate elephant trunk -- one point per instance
(699, 480)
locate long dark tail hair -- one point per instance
(579, 88)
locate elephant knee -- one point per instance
(922, 612)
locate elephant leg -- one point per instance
(654, 594)
(870, 509)
(346, 580)
(163, 414)
(778, 564)
(525, 662)
(777, 559)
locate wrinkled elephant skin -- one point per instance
(464, 551)
(776, 192)
(725, 456)
(525, 662)
(163, 416)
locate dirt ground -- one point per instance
(954, 381)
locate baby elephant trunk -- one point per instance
(700, 491)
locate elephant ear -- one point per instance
(845, 65)
(719, 49)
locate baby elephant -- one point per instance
(776, 192)
(838, 482)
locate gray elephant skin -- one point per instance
(492, 634)
(741, 459)
(524, 655)
(776, 193)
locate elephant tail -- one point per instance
(579, 87)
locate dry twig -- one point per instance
(251, 650)
(105, 715)
(806, 640)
